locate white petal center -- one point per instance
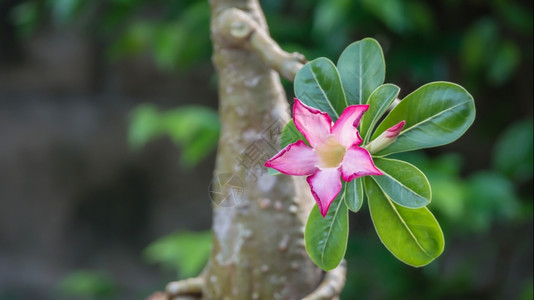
(330, 153)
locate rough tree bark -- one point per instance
(258, 245)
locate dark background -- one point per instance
(98, 161)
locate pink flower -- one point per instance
(334, 152)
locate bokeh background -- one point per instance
(108, 127)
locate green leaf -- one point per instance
(326, 238)
(318, 85)
(403, 183)
(436, 114)
(411, 235)
(353, 194)
(362, 69)
(290, 134)
(379, 101)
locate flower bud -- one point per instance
(386, 138)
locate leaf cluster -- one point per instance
(436, 114)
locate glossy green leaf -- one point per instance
(362, 69)
(326, 238)
(353, 194)
(403, 183)
(379, 101)
(318, 85)
(436, 114)
(411, 235)
(290, 134)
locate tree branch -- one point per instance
(332, 284)
(237, 29)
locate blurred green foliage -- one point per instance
(513, 151)
(87, 284)
(483, 45)
(468, 208)
(185, 252)
(486, 54)
(194, 129)
(468, 205)
(474, 204)
(176, 32)
(173, 44)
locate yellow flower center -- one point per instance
(330, 153)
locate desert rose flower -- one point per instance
(334, 152)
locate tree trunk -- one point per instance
(258, 219)
(258, 245)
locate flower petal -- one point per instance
(357, 163)
(386, 138)
(294, 159)
(314, 124)
(325, 185)
(345, 129)
(395, 130)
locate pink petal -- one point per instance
(314, 124)
(386, 138)
(325, 185)
(395, 130)
(345, 129)
(357, 163)
(294, 159)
